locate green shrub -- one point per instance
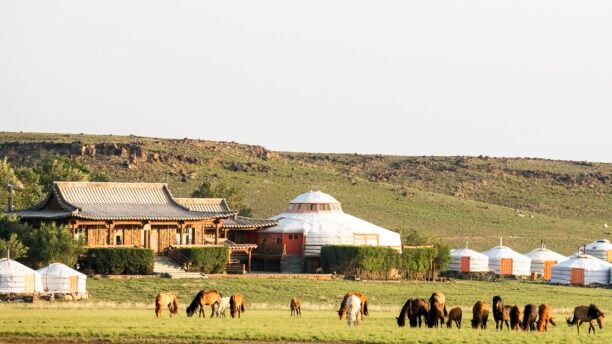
(119, 261)
(359, 260)
(206, 259)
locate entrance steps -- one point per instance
(293, 264)
(165, 266)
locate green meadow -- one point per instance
(122, 311)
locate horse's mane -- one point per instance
(594, 312)
(195, 303)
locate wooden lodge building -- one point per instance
(143, 215)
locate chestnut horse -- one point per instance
(480, 315)
(515, 318)
(529, 317)
(544, 317)
(204, 298)
(584, 314)
(236, 305)
(296, 307)
(437, 310)
(166, 299)
(454, 315)
(364, 304)
(415, 310)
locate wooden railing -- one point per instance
(270, 250)
(176, 255)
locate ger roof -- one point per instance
(220, 205)
(584, 261)
(466, 252)
(314, 197)
(501, 251)
(544, 254)
(114, 201)
(60, 270)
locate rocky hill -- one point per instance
(475, 199)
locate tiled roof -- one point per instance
(219, 204)
(205, 204)
(115, 201)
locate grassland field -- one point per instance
(122, 311)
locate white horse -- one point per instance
(353, 309)
(221, 306)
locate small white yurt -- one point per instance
(601, 249)
(505, 261)
(16, 278)
(467, 260)
(59, 278)
(581, 269)
(543, 259)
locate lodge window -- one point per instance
(365, 239)
(293, 236)
(313, 207)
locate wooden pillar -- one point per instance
(110, 227)
(217, 230)
(250, 250)
(181, 234)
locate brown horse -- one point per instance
(364, 304)
(415, 310)
(204, 298)
(236, 305)
(166, 299)
(544, 317)
(529, 317)
(454, 315)
(480, 315)
(437, 310)
(501, 315)
(584, 314)
(515, 318)
(296, 308)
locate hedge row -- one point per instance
(206, 259)
(376, 262)
(118, 261)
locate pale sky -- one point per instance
(492, 77)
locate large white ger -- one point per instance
(543, 259)
(468, 260)
(59, 278)
(581, 269)
(16, 278)
(601, 249)
(319, 217)
(505, 261)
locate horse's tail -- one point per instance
(445, 311)
(195, 303)
(552, 322)
(242, 307)
(174, 305)
(365, 307)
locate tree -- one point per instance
(32, 191)
(62, 169)
(51, 243)
(7, 177)
(232, 195)
(14, 245)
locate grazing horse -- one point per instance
(296, 308)
(480, 315)
(437, 310)
(500, 315)
(221, 306)
(515, 318)
(584, 314)
(529, 317)
(204, 298)
(415, 310)
(364, 304)
(353, 308)
(544, 317)
(166, 299)
(454, 315)
(236, 302)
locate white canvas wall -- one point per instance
(18, 278)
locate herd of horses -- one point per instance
(530, 318)
(432, 312)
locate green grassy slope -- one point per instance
(475, 199)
